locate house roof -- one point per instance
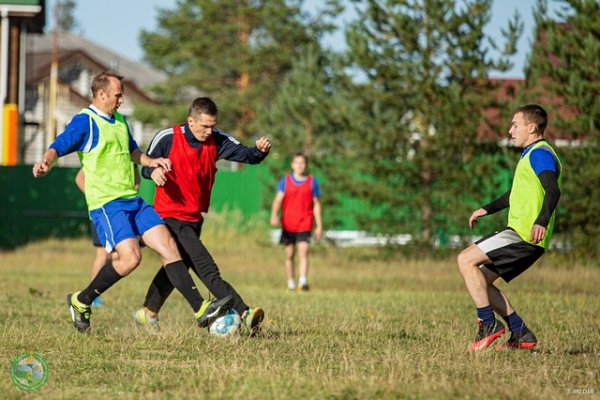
(40, 69)
(136, 72)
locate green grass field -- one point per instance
(369, 329)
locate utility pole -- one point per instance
(53, 84)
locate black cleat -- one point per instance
(213, 309)
(522, 340)
(80, 313)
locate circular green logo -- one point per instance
(29, 371)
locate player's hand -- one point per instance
(159, 176)
(263, 144)
(318, 233)
(164, 163)
(274, 220)
(41, 168)
(537, 234)
(476, 214)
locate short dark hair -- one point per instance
(301, 154)
(102, 81)
(202, 105)
(534, 114)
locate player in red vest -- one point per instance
(298, 199)
(183, 194)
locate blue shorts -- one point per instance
(123, 219)
(95, 239)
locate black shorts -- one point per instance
(510, 255)
(294, 237)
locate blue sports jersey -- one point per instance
(316, 191)
(541, 159)
(81, 134)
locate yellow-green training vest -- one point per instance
(527, 197)
(109, 172)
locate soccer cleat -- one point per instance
(522, 340)
(252, 319)
(303, 288)
(80, 313)
(98, 303)
(213, 309)
(486, 335)
(143, 320)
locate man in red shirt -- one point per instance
(183, 194)
(298, 199)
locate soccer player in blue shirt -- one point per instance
(101, 137)
(532, 201)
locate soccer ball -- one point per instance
(227, 325)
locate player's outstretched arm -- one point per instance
(476, 214)
(145, 161)
(229, 148)
(43, 168)
(263, 144)
(499, 204)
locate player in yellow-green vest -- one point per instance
(102, 138)
(532, 202)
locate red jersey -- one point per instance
(297, 207)
(189, 183)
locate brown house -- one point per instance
(78, 61)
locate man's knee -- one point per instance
(465, 262)
(170, 247)
(462, 260)
(129, 262)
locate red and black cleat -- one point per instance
(486, 335)
(522, 340)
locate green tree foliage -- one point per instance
(66, 19)
(236, 52)
(308, 114)
(421, 83)
(563, 74)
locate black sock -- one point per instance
(180, 278)
(106, 277)
(160, 288)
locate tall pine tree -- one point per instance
(309, 114)
(237, 52)
(563, 74)
(421, 72)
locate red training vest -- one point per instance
(187, 191)
(297, 208)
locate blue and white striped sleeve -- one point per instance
(81, 134)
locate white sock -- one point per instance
(291, 284)
(302, 281)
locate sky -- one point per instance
(119, 31)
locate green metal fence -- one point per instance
(32, 209)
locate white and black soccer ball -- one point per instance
(227, 325)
